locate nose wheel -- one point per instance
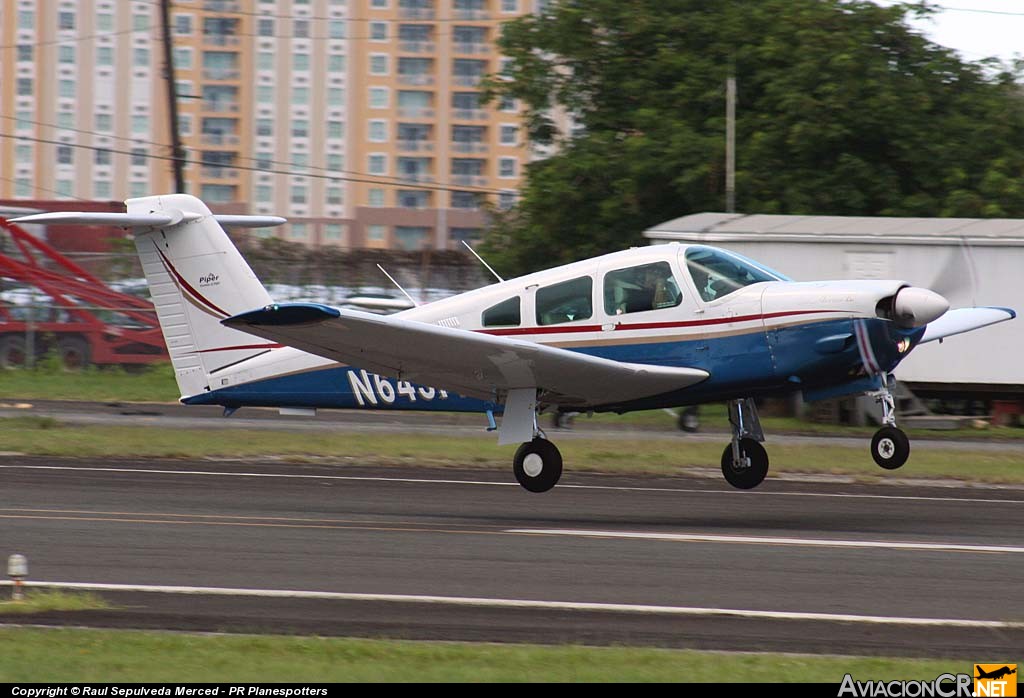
(890, 448)
(537, 465)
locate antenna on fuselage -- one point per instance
(398, 286)
(482, 261)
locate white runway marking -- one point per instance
(436, 481)
(770, 540)
(532, 604)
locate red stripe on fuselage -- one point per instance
(652, 325)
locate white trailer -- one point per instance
(968, 260)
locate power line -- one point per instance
(140, 141)
(344, 175)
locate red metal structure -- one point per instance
(85, 321)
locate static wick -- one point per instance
(17, 569)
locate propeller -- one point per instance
(957, 278)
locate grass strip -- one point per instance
(44, 600)
(663, 454)
(79, 655)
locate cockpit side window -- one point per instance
(504, 314)
(640, 288)
(717, 273)
(565, 302)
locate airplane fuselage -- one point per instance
(771, 336)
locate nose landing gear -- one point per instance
(890, 446)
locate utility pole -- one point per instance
(730, 145)
(177, 152)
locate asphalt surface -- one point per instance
(800, 567)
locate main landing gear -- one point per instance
(890, 447)
(744, 461)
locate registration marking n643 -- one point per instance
(772, 540)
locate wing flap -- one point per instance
(962, 320)
(471, 363)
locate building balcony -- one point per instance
(221, 74)
(221, 39)
(219, 172)
(416, 13)
(417, 47)
(468, 180)
(220, 105)
(221, 6)
(416, 112)
(416, 177)
(467, 80)
(218, 139)
(459, 47)
(473, 147)
(417, 145)
(415, 79)
(469, 114)
(470, 14)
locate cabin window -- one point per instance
(504, 314)
(640, 288)
(565, 302)
(717, 273)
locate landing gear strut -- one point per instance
(744, 461)
(890, 447)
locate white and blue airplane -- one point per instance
(653, 327)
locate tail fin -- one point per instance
(196, 277)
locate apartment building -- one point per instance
(359, 120)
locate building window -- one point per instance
(376, 198)
(378, 97)
(138, 157)
(335, 129)
(377, 164)
(66, 54)
(300, 96)
(301, 29)
(23, 154)
(24, 53)
(183, 24)
(508, 135)
(300, 61)
(66, 88)
(64, 187)
(376, 233)
(140, 57)
(104, 55)
(101, 189)
(465, 199)
(377, 131)
(378, 64)
(507, 167)
(336, 29)
(105, 22)
(509, 6)
(336, 63)
(335, 162)
(413, 198)
(409, 237)
(104, 122)
(300, 128)
(335, 195)
(467, 234)
(336, 97)
(265, 27)
(265, 60)
(334, 232)
(24, 87)
(102, 156)
(140, 124)
(379, 31)
(298, 195)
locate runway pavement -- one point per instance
(451, 554)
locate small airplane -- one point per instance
(645, 328)
(995, 674)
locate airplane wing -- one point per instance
(471, 363)
(964, 320)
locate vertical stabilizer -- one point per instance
(197, 278)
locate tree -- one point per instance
(843, 110)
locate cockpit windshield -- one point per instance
(717, 273)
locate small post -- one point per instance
(17, 569)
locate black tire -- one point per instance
(890, 448)
(537, 465)
(745, 478)
(73, 353)
(12, 352)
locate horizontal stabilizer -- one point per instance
(964, 320)
(472, 363)
(144, 220)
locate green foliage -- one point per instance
(77, 655)
(842, 110)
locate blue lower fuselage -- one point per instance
(821, 357)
